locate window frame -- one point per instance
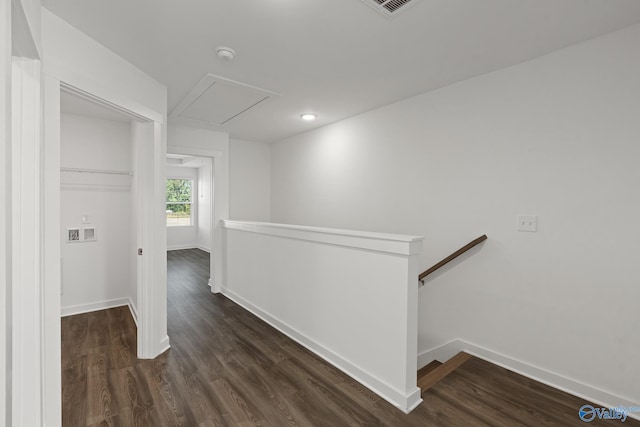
(192, 203)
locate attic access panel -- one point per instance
(216, 100)
(390, 8)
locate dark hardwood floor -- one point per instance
(228, 368)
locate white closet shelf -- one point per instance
(96, 171)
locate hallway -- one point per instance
(228, 368)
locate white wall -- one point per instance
(184, 237)
(349, 297)
(83, 63)
(556, 137)
(26, 32)
(205, 200)
(250, 180)
(97, 274)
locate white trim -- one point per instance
(5, 213)
(181, 247)
(382, 242)
(92, 187)
(27, 243)
(404, 402)
(164, 345)
(134, 311)
(97, 306)
(441, 353)
(203, 248)
(51, 253)
(152, 291)
(584, 391)
(131, 113)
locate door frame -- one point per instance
(151, 303)
(21, 357)
(26, 290)
(215, 264)
(5, 217)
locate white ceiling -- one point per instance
(335, 58)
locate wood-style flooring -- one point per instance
(228, 368)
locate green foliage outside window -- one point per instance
(179, 200)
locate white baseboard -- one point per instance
(560, 382)
(95, 306)
(203, 248)
(405, 403)
(164, 344)
(134, 312)
(441, 353)
(102, 305)
(181, 247)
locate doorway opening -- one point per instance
(189, 209)
(99, 207)
(190, 212)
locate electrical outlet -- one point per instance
(527, 223)
(73, 235)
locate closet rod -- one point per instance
(109, 172)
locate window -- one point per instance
(179, 202)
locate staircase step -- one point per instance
(430, 367)
(429, 378)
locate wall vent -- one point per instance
(390, 8)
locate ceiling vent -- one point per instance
(216, 100)
(390, 8)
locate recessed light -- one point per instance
(308, 116)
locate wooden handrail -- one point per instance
(453, 256)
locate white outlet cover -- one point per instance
(527, 223)
(89, 234)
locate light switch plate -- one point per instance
(527, 223)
